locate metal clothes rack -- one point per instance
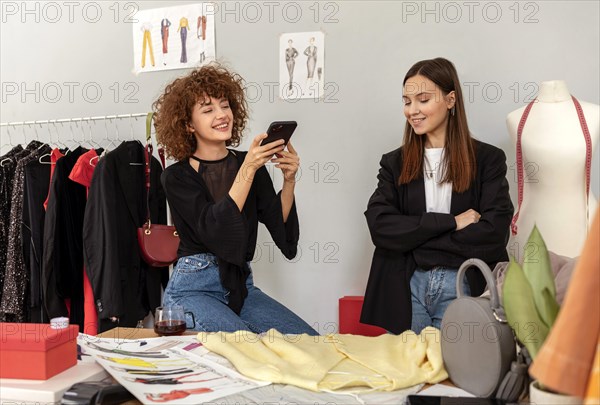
(69, 120)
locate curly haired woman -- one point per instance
(217, 196)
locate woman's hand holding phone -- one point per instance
(259, 154)
(289, 162)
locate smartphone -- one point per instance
(432, 400)
(280, 130)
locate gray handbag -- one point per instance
(478, 345)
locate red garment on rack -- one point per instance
(82, 173)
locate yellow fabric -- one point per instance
(331, 362)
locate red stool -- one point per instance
(350, 308)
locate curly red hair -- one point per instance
(173, 109)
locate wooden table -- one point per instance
(135, 333)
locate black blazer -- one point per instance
(62, 267)
(406, 236)
(124, 285)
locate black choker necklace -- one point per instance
(197, 159)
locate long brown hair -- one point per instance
(459, 157)
(173, 109)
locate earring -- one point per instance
(452, 111)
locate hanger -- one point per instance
(111, 141)
(43, 144)
(25, 136)
(6, 160)
(9, 144)
(89, 142)
(59, 143)
(74, 142)
(93, 159)
(46, 162)
(133, 138)
(96, 146)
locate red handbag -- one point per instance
(158, 243)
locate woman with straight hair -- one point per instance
(441, 198)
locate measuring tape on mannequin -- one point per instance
(588, 161)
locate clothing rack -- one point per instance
(69, 120)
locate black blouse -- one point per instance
(218, 227)
(218, 175)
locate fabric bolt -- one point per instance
(37, 180)
(333, 362)
(13, 306)
(7, 173)
(82, 173)
(564, 362)
(63, 251)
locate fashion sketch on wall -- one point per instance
(173, 37)
(301, 65)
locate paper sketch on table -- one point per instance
(301, 62)
(173, 37)
(183, 363)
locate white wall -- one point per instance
(369, 47)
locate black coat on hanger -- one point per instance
(37, 183)
(62, 267)
(125, 287)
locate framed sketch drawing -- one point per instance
(301, 65)
(173, 37)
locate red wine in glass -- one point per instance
(169, 328)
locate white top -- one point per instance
(554, 191)
(437, 195)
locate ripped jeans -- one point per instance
(196, 285)
(432, 291)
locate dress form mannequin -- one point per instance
(554, 181)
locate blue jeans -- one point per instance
(432, 291)
(195, 284)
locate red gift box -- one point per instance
(350, 309)
(34, 351)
